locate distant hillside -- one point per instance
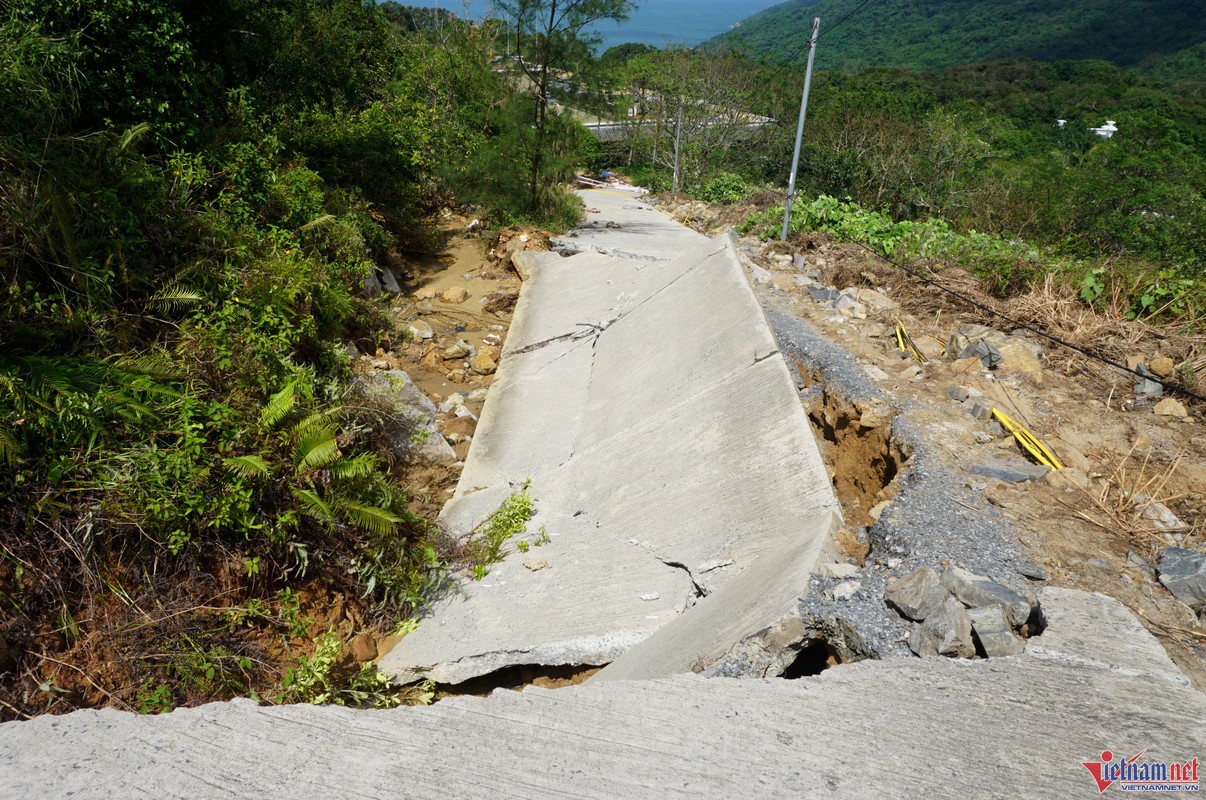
(931, 34)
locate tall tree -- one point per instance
(551, 35)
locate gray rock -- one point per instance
(994, 633)
(1011, 473)
(979, 407)
(389, 282)
(995, 428)
(1136, 561)
(945, 633)
(409, 417)
(824, 295)
(1147, 386)
(988, 354)
(959, 393)
(916, 595)
(976, 591)
(1183, 572)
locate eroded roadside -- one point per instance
(927, 480)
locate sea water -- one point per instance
(656, 22)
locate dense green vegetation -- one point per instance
(931, 35)
(191, 196)
(976, 146)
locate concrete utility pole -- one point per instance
(795, 159)
(678, 138)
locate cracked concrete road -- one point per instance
(646, 400)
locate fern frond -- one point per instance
(316, 449)
(278, 406)
(357, 466)
(131, 135)
(174, 298)
(319, 222)
(9, 447)
(373, 519)
(248, 466)
(154, 364)
(314, 505)
(324, 420)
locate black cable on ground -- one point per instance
(1172, 387)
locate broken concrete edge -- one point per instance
(749, 613)
(589, 651)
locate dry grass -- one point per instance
(1126, 501)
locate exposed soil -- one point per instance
(1080, 524)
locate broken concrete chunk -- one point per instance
(1183, 572)
(916, 595)
(945, 633)
(841, 570)
(996, 636)
(976, 591)
(845, 590)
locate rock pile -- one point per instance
(961, 614)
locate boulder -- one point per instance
(977, 591)
(916, 595)
(483, 363)
(947, 632)
(459, 350)
(1183, 572)
(995, 635)
(1162, 366)
(420, 330)
(389, 282)
(409, 417)
(454, 295)
(1169, 407)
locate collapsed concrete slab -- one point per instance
(668, 454)
(934, 728)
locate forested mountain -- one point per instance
(931, 34)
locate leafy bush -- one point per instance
(724, 188)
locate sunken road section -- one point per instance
(672, 467)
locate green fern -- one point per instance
(314, 505)
(248, 466)
(316, 449)
(373, 519)
(278, 406)
(172, 299)
(359, 466)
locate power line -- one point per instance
(1083, 351)
(835, 25)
